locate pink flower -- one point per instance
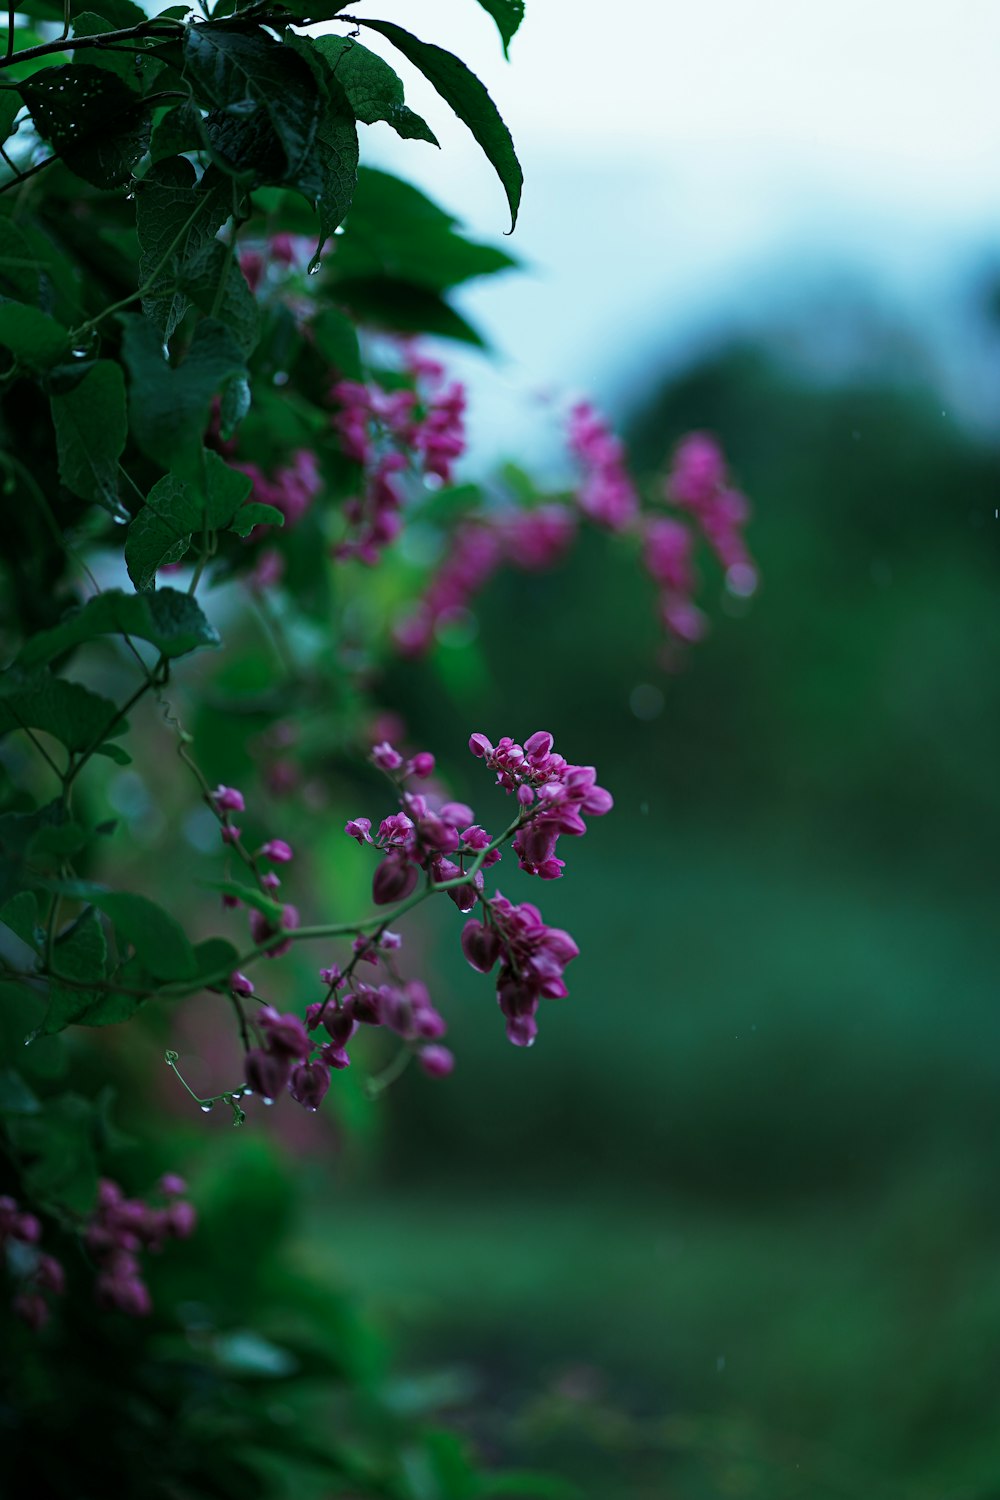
(278, 851)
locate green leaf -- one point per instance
(91, 430)
(176, 218)
(337, 143)
(161, 532)
(59, 842)
(87, 23)
(336, 338)
(236, 306)
(249, 895)
(402, 307)
(374, 90)
(91, 119)
(160, 943)
(170, 405)
(215, 956)
(248, 80)
(169, 620)
(256, 514)
(71, 713)
(20, 914)
(116, 753)
(10, 105)
(31, 335)
(508, 14)
(81, 952)
(465, 94)
(394, 230)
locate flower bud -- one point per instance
(437, 1062)
(481, 946)
(394, 880)
(308, 1083)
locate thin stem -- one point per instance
(11, 13)
(20, 176)
(43, 49)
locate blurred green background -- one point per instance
(732, 1227)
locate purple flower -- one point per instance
(394, 880)
(240, 984)
(385, 757)
(278, 851)
(308, 1083)
(228, 799)
(266, 1073)
(422, 764)
(481, 946)
(437, 1062)
(286, 1035)
(360, 829)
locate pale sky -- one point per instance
(679, 158)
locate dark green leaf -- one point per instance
(249, 895)
(508, 14)
(375, 90)
(71, 713)
(116, 753)
(91, 118)
(80, 954)
(401, 307)
(87, 23)
(31, 335)
(178, 132)
(168, 620)
(256, 514)
(215, 956)
(336, 338)
(59, 842)
(337, 147)
(170, 405)
(465, 94)
(176, 219)
(10, 104)
(160, 943)
(91, 429)
(174, 510)
(236, 306)
(20, 914)
(243, 77)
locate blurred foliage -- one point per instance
(747, 1179)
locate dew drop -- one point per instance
(207, 1108)
(314, 266)
(265, 1100)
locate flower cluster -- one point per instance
(37, 1272)
(117, 1231)
(554, 794)
(698, 483)
(225, 801)
(606, 494)
(123, 1227)
(532, 959)
(532, 541)
(440, 838)
(386, 432)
